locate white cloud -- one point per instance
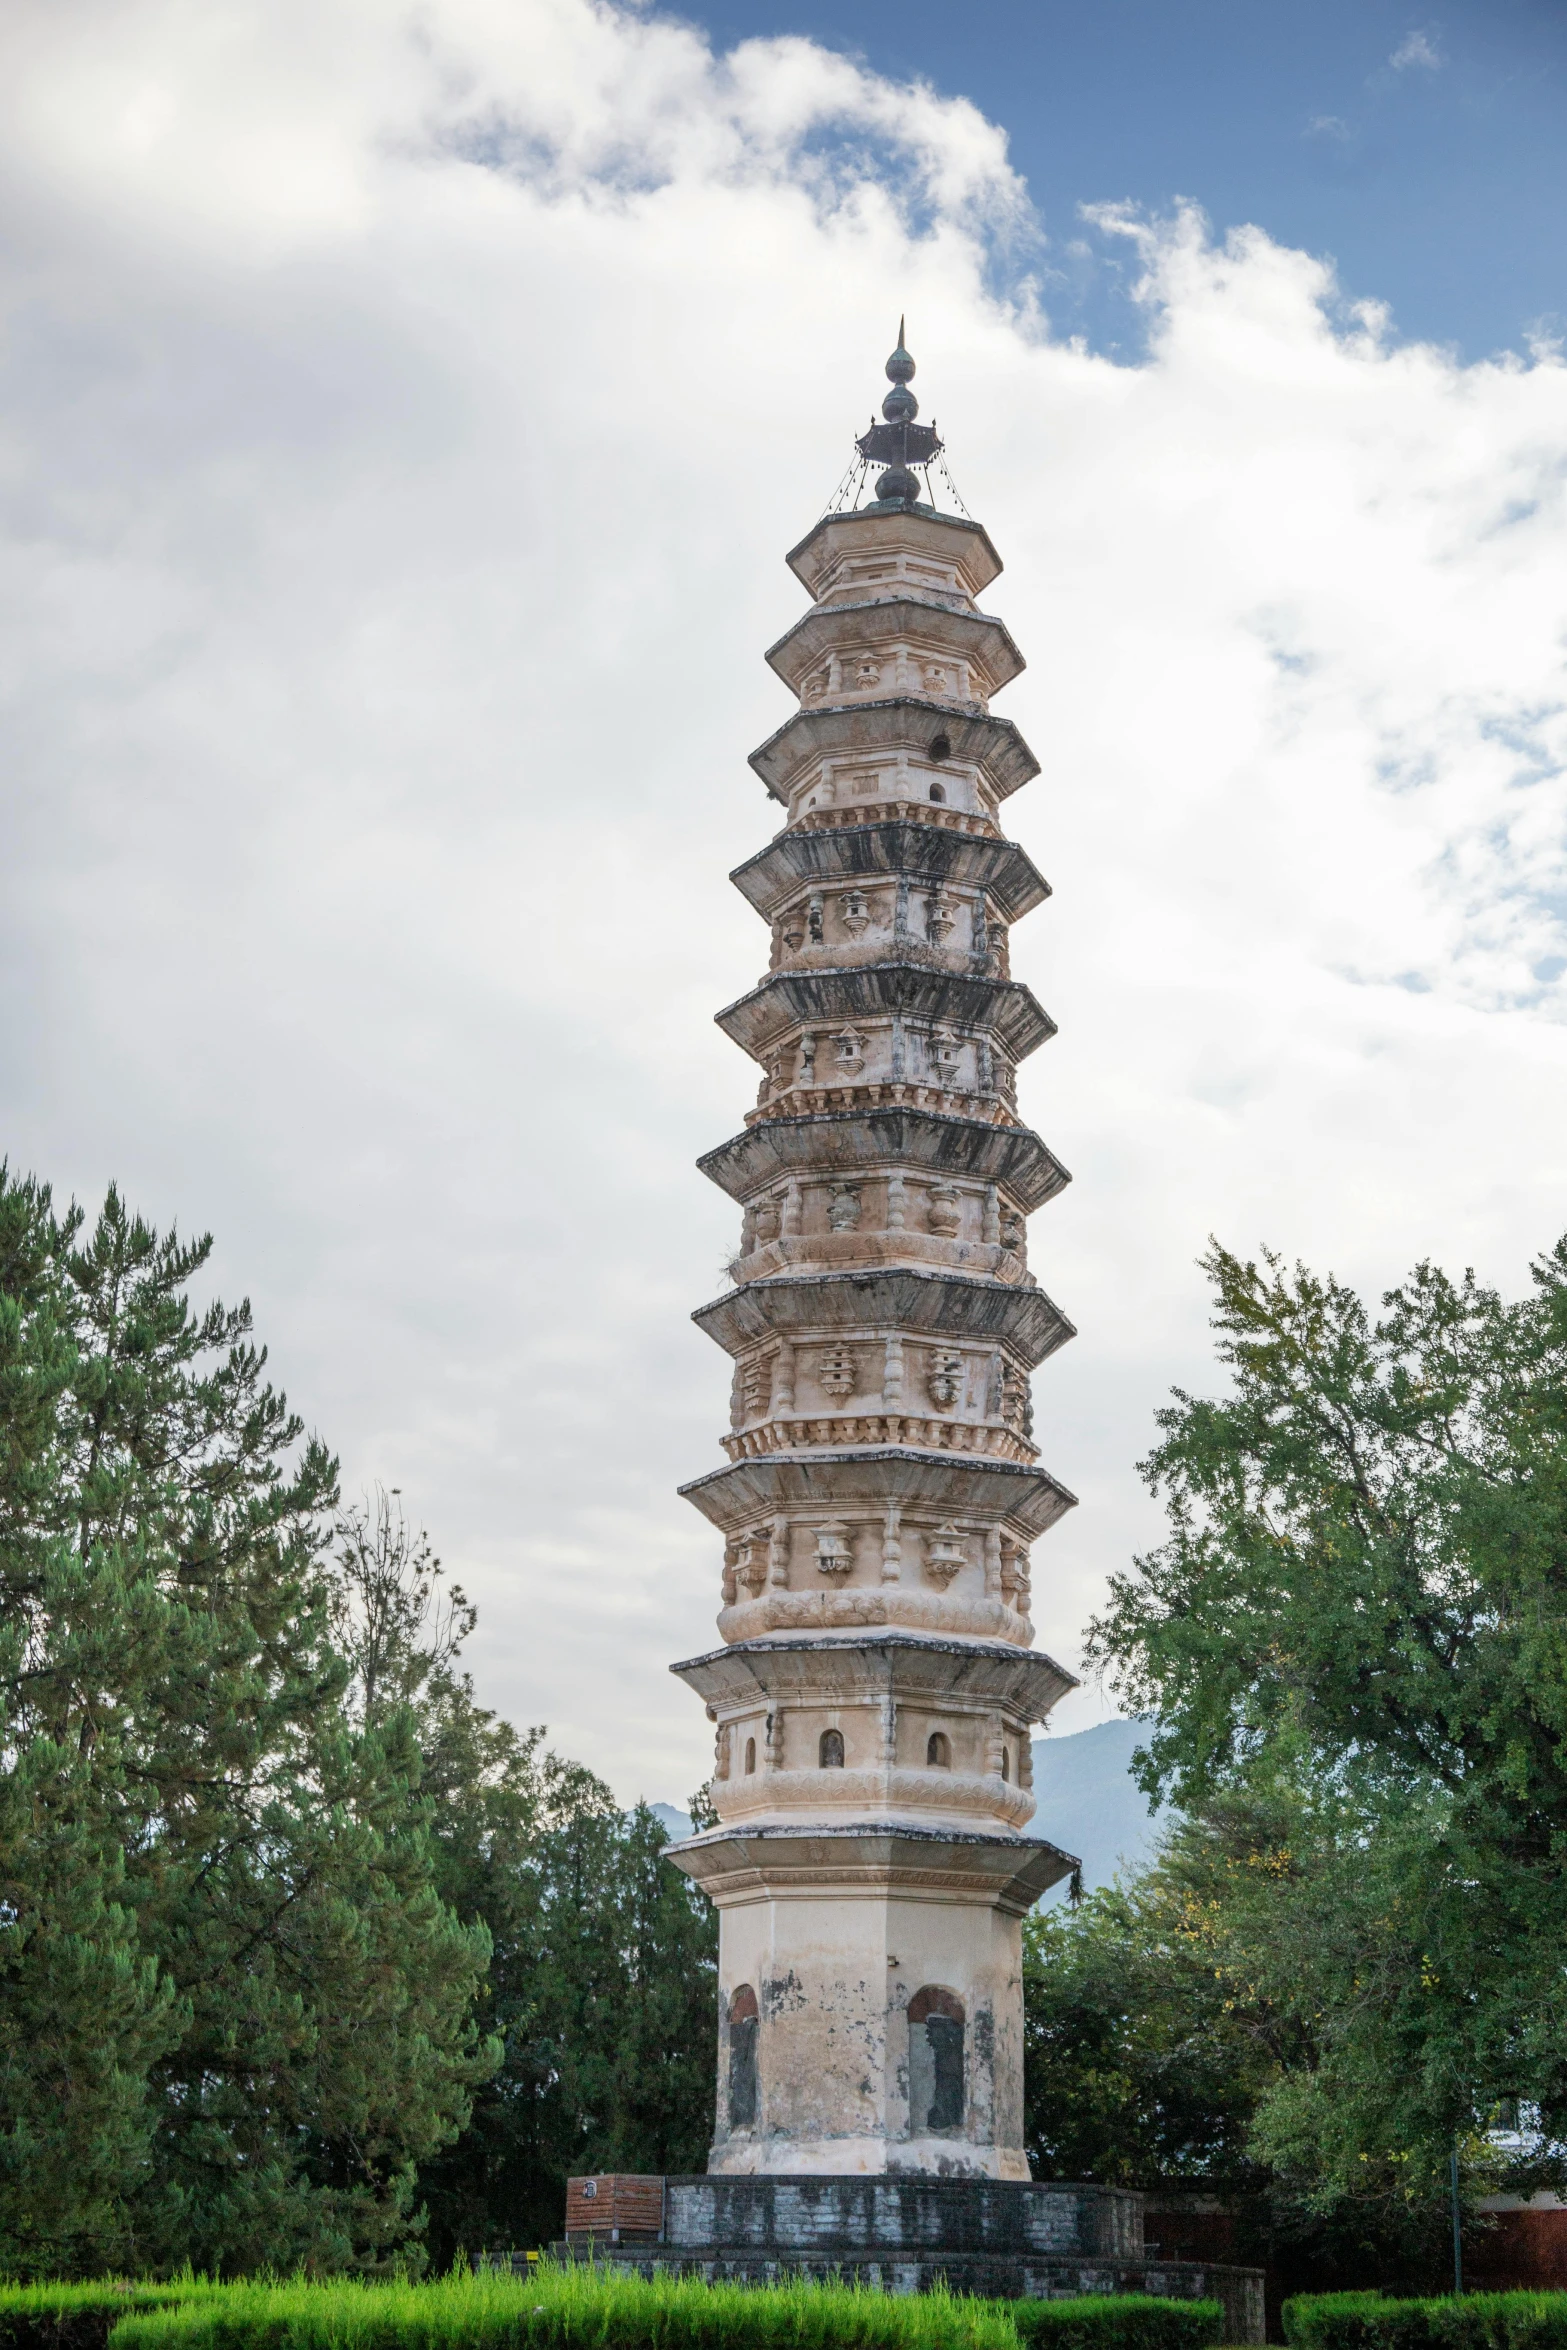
(1417, 48)
(403, 423)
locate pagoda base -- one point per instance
(1004, 2239)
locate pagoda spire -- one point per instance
(876, 1683)
(898, 442)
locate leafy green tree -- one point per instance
(237, 2011)
(1355, 1636)
(601, 1987)
(1143, 2060)
(1165, 2016)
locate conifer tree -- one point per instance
(237, 2011)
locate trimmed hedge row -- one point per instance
(568, 2308)
(580, 2308)
(80, 2317)
(1479, 2321)
(1117, 2321)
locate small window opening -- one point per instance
(831, 1750)
(750, 1755)
(938, 1754)
(1006, 1763)
(936, 792)
(940, 748)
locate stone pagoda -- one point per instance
(877, 1683)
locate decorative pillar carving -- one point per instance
(892, 1545)
(783, 1380)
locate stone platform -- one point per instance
(1002, 2238)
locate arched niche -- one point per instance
(936, 2067)
(744, 2028)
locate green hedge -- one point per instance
(573, 2307)
(1479, 2321)
(578, 2307)
(79, 2317)
(1117, 2321)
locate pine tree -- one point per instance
(238, 2012)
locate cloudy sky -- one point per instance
(405, 413)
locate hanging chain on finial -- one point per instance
(899, 443)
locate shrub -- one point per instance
(569, 2308)
(79, 2317)
(1117, 2321)
(1479, 2321)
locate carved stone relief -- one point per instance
(946, 1554)
(843, 1208)
(837, 1373)
(944, 1379)
(834, 1557)
(1017, 1406)
(945, 1053)
(751, 1554)
(767, 1220)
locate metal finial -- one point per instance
(899, 443)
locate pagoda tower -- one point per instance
(876, 1685)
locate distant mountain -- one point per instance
(1088, 1802)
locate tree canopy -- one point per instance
(305, 1957)
(1353, 1649)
